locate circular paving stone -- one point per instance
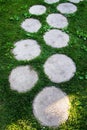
(31, 25)
(37, 9)
(51, 1)
(51, 106)
(57, 20)
(59, 68)
(67, 8)
(56, 38)
(74, 1)
(26, 49)
(23, 78)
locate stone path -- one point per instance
(67, 8)
(51, 1)
(57, 20)
(23, 78)
(26, 49)
(59, 68)
(37, 9)
(31, 25)
(51, 106)
(56, 38)
(74, 1)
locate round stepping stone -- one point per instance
(31, 25)
(51, 106)
(51, 1)
(56, 38)
(74, 1)
(23, 78)
(67, 8)
(59, 68)
(57, 20)
(37, 9)
(26, 49)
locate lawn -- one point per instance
(16, 112)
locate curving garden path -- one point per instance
(51, 106)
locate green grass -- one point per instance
(16, 109)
